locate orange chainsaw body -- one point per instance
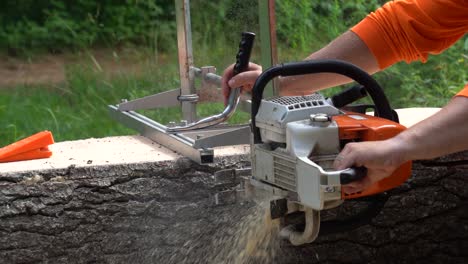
(355, 127)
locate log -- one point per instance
(177, 212)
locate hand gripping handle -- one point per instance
(352, 174)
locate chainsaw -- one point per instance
(295, 140)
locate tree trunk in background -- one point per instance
(166, 213)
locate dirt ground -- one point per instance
(50, 68)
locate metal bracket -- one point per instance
(208, 92)
(197, 144)
(188, 98)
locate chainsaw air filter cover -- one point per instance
(275, 113)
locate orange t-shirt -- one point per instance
(411, 30)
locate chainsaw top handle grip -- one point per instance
(352, 174)
(382, 106)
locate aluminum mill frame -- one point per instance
(197, 144)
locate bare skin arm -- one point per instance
(348, 47)
(443, 133)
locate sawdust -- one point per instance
(253, 239)
(32, 180)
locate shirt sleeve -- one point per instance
(463, 92)
(409, 30)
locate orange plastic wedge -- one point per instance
(33, 147)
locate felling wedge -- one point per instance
(33, 147)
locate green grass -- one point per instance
(428, 84)
(77, 108)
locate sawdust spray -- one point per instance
(255, 240)
(252, 239)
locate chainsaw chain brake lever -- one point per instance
(352, 174)
(242, 64)
(348, 96)
(344, 98)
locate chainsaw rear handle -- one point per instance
(382, 106)
(352, 174)
(348, 175)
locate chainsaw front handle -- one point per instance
(382, 106)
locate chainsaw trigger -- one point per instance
(352, 174)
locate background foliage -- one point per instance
(56, 25)
(77, 108)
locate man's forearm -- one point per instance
(348, 47)
(443, 133)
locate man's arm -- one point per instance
(411, 30)
(348, 47)
(443, 133)
(400, 30)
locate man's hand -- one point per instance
(347, 47)
(244, 79)
(441, 134)
(380, 158)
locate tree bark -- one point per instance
(176, 212)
